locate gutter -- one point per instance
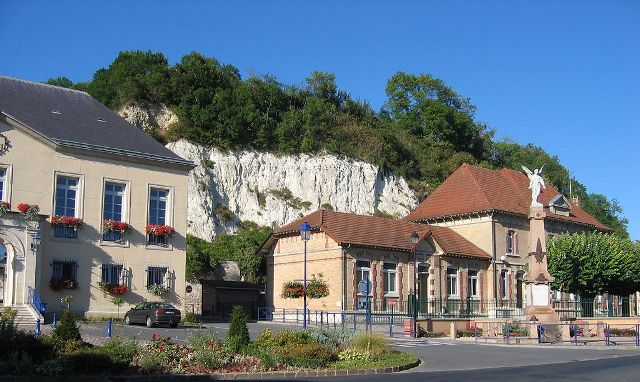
(493, 261)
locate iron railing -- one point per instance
(35, 301)
(611, 306)
(450, 308)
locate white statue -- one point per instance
(535, 182)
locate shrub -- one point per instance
(289, 337)
(16, 363)
(191, 318)
(151, 360)
(203, 340)
(238, 335)
(354, 355)
(88, 361)
(214, 358)
(310, 354)
(120, 350)
(265, 339)
(54, 366)
(333, 338)
(370, 342)
(67, 328)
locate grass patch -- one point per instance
(391, 359)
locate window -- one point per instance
(64, 270)
(511, 242)
(3, 182)
(158, 199)
(111, 273)
(363, 271)
(156, 276)
(113, 209)
(504, 283)
(473, 284)
(390, 280)
(452, 281)
(66, 196)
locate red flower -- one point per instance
(114, 225)
(23, 207)
(159, 230)
(66, 220)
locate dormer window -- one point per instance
(560, 205)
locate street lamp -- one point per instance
(414, 241)
(36, 239)
(305, 234)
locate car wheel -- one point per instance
(174, 325)
(127, 320)
(149, 322)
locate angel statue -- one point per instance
(535, 182)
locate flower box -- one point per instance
(69, 221)
(30, 211)
(158, 290)
(158, 234)
(113, 289)
(59, 284)
(113, 230)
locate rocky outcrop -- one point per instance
(233, 186)
(148, 117)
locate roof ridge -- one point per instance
(475, 181)
(43, 84)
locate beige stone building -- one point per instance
(74, 158)
(471, 253)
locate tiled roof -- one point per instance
(74, 119)
(475, 189)
(371, 231)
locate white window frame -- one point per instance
(511, 239)
(79, 192)
(473, 283)
(126, 207)
(165, 281)
(504, 283)
(452, 282)
(6, 185)
(360, 272)
(168, 217)
(387, 275)
(109, 265)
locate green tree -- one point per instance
(67, 328)
(238, 335)
(591, 263)
(60, 81)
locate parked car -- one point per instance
(153, 313)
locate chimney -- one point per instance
(575, 200)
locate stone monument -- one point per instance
(538, 279)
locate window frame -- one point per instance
(59, 264)
(165, 275)
(452, 282)
(5, 189)
(125, 214)
(473, 284)
(108, 268)
(511, 246)
(360, 271)
(157, 242)
(79, 197)
(387, 273)
(504, 283)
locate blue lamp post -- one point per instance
(305, 234)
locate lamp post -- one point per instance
(414, 241)
(305, 234)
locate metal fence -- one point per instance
(612, 306)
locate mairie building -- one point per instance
(93, 210)
(470, 255)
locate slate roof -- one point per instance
(74, 119)
(475, 189)
(377, 232)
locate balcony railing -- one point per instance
(65, 231)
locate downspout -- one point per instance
(495, 277)
(344, 277)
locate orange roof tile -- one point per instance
(371, 231)
(475, 189)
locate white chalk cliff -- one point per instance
(227, 187)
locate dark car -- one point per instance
(153, 313)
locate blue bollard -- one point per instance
(54, 320)
(109, 328)
(37, 328)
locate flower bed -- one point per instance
(623, 332)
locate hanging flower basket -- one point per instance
(115, 226)
(30, 211)
(59, 284)
(68, 221)
(292, 289)
(113, 289)
(159, 230)
(4, 208)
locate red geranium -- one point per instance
(24, 207)
(66, 220)
(114, 225)
(159, 230)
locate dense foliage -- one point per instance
(424, 131)
(590, 264)
(203, 256)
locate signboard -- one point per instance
(540, 294)
(364, 286)
(408, 326)
(189, 289)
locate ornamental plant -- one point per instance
(114, 225)
(30, 211)
(69, 221)
(292, 289)
(113, 288)
(159, 230)
(317, 287)
(158, 290)
(4, 208)
(58, 284)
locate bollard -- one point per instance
(54, 321)
(37, 333)
(109, 328)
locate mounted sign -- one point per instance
(189, 288)
(364, 286)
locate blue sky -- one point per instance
(564, 75)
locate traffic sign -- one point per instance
(364, 286)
